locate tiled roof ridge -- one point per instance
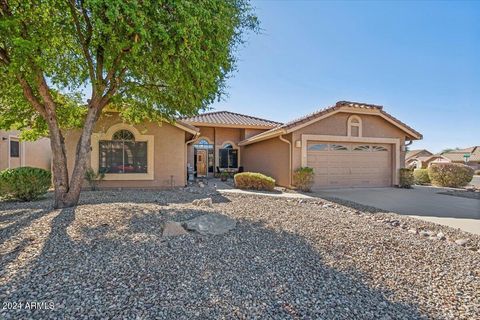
(225, 112)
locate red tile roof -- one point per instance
(457, 155)
(230, 118)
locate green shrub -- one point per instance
(25, 183)
(303, 178)
(93, 178)
(406, 178)
(253, 180)
(420, 176)
(224, 176)
(450, 175)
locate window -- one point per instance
(362, 148)
(354, 126)
(123, 154)
(338, 147)
(378, 148)
(228, 157)
(203, 144)
(318, 147)
(14, 149)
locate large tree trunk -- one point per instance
(67, 193)
(69, 196)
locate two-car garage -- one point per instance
(348, 145)
(341, 165)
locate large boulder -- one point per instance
(210, 224)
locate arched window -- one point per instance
(122, 154)
(354, 126)
(228, 146)
(203, 144)
(123, 135)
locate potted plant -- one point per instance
(224, 176)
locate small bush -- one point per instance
(25, 183)
(406, 178)
(450, 175)
(93, 178)
(253, 180)
(420, 176)
(224, 176)
(303, 178)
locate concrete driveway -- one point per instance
(421, 202)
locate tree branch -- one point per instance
(31, 97)
(4, 9)
(4, 56)
(87, 22)
(83, 42)
(113, 88)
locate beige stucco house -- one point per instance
(469, 156)
(16, 153)
(348, 145)
(422, 159)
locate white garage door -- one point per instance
(343, 165)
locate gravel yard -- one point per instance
(286, 258)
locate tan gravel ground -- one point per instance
(286, 258)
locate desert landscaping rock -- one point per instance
(211, 224)
(107, 259)
(207, 202)
(441, 236)
(173, 229)
(462, 242)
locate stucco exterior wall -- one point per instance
(32, 153)
(336, 125)
(251, 132)
(270, 157)
(169, 154)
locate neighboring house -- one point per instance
(15, 153)
(417, 153)
(459, 156)
(349, 145)
(415, 158)
(420, 159)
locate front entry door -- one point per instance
(201, 163)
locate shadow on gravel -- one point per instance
(252, 271)
(19, 220)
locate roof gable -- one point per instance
(230, 119)
(340, 106)
(415, 153)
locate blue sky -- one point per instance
(420, 60)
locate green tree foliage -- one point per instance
(151, 60)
